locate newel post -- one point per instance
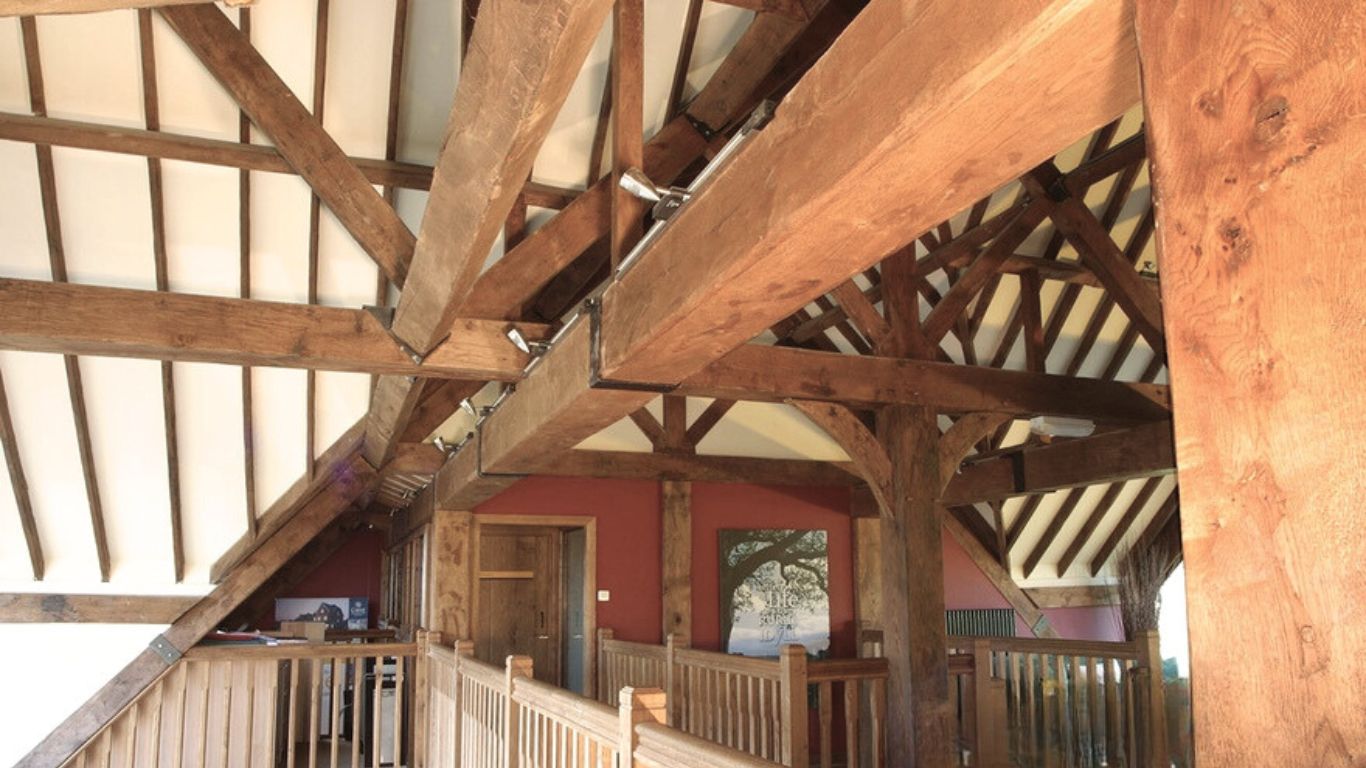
(792, 676)
(636, 706)
(671, 695)
(1154, 704)
(421, 699)
(603, 677)
(517, 666)
(988, 700)
(463, 649)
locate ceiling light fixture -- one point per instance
(1060, 426)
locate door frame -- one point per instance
(589, 524)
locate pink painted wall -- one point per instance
(965, 586)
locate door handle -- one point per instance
(543, 637)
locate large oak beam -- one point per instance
(522, 60)
(1256, 116)
(46, 7)
(228, 154)
(627, 465)
(73, 319)
(272, 106)
(814, 199)
(35, 607)
(1143, 451)
(774, 374)
(200, 619)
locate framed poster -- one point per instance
(335, 612)
(774, 590)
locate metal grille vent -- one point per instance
(984, 622)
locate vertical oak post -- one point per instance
(671, 697)
(1255, 134)
(919, 716)
(636, 706)
(987, 697)
(792, 675)
(517, 666)
(604, 675)
(421, 698)
(450, 577)
(1154, 703)
(676, 508)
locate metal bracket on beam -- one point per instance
(705, 131)
(165, 649)
(1040, 625)
(595, 380)
(385, 317)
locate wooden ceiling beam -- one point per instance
(299, 136)
(40, 316)
(315, 515)
(796, 9)
(624, 465)
(524, 57)
(228, 154)
(49, 7)
(788, 217)
(1142, 451)
(43, 608)
(1126, 522)
(774, 374)
(19, 486)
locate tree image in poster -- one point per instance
(774, 590)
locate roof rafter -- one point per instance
(298, 135)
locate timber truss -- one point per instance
(844, 258)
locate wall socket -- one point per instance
(604, 596)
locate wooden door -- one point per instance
(519, 597)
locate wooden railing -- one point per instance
(759, 706)
(1063, 702)
(482, 716)
(262, 706)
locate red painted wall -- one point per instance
(629, 548)
(965, 586)
(352, 571)
(629, 552)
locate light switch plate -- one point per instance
(604, 596)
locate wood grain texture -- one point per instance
(919, 720)
(756, 372)
(40, 316)
(1258, 144)
(43, 7)
(782, 224)
(523, 58)
(868, 455)
(1144, 451)
(32, 607)
(676, 508)
(246, 75)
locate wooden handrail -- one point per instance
(659, 746)
(1091, 648)
(299, 651)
